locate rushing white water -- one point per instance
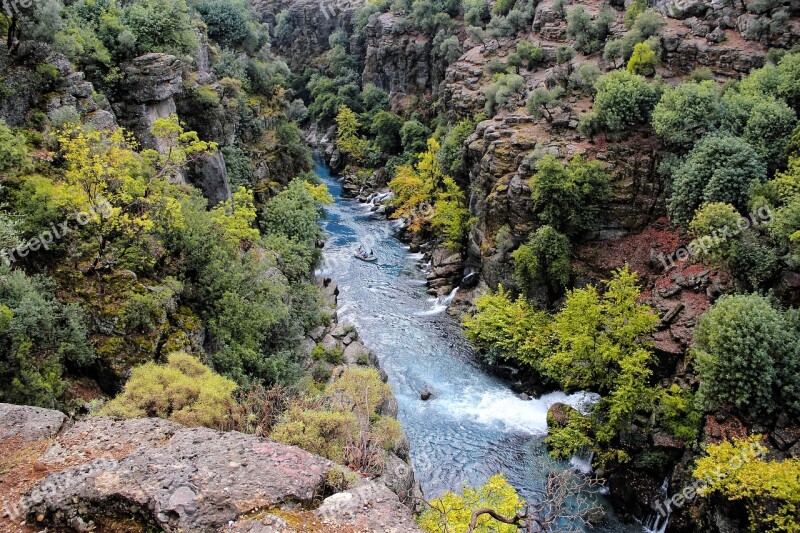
(473, 426)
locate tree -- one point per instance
(543, 260)
(623, 100)
(504, 88)
(769, 490)
(684, 114)
(348, 141)
(720, 168)
(161, 26)
(541, 102)
(184, 391)
(570, 197)
(414, 136)
(227, 21)
(503, 328)
(643, 60)
(744, 350)
(385, 129)
(451, 154)
(711, 221)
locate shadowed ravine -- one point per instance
(474, 425)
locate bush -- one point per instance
(541, 102)
(499, 93)
(544, 261)
(745, 354)
(385, 129)
(713, 220)
(643, 60)
(451, 154)
(588, 34)
(623, 100)
(677, 413)
(39, 336)
(184, 391)
(570, 197)
(501, 327)
(769, 490)
(720, 168)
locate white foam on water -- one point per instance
(503, 407)
(440, 304)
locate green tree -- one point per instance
(414, 137)
(348, 141)
(542, 101)
(720, 168)
(684, 114)
(623, 100)
(744, 349)
(643, 60)
(227, 21)
(543, 260)
(570, 197)
(385, 129)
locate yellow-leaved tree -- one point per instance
(430, 199)
(348, 141)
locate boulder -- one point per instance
(210, 175)
(29, 423)
(153, 77)
(196, 480)
(370, 506)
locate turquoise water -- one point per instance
(474, 426)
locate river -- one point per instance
(474, 426)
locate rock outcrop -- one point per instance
(103, 472)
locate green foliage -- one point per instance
(451, 154)
(13, 150)
(414, 136)
(589, 34)
(385, 129)
(227, 21)
(348, 141)
(636, 8)
(643, 60)
(677, 412)
(502, 328)
(294, 213)
(160, 26)
(747, 355)
(184, 390)
(453, 512)
(543, 260)
(501, 91)
(585, 77)
(769, 490)
(720, 168)
(39, 336)
(542, 101)
(623, 100)
(711, 220)
(570, 197)
(343, 424)
(451, 218)
(646, 28)
(686, 113)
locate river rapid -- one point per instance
(473, 426)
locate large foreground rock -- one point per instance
(159, 474)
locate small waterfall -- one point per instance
(582, 461)
(657, 522)
(440, 304)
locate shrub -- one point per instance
(743, 352)
(38, 337)
(678, 414)
(769, 490)
(543, 260)
(643, 60)
(588, 34)
(541, 102)
(453, 512)
(712, 220)
(720, 168)
(499, 93)
(570, 197)
(585, 77)
(451, 154)
(13, 150)
(623, 100)
(184, 391)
